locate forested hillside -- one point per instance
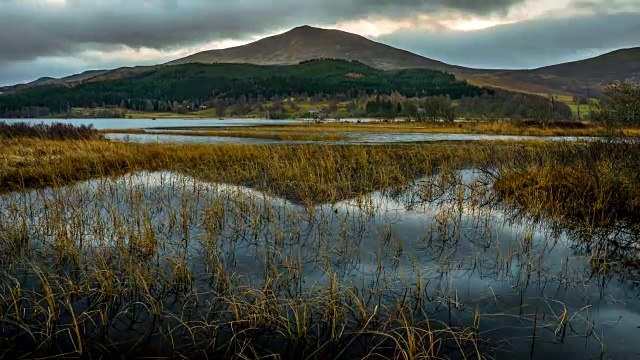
(194, 84)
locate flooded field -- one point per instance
(163, 263)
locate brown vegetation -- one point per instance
(355, 75)
(596, 183)
(135, 291)
(55, 131)
(487, 128)
(305, 173)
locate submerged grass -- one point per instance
(91, 280)
(130, 269)
(596, 182)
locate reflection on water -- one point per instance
(352, 137)
(360, 138)
(168, 139)
(102, 124)
(461, 258)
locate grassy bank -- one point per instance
(486, 128)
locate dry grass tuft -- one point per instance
(597, 182)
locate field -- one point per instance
(446, 250)
(580, 111)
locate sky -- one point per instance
(61, 37)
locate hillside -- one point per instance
(577, 77)
(607, 67)
(73, 79)
(195, 83)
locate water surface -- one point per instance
(118, 124)
(358, 138)
(469, 255)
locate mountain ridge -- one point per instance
(583, 77)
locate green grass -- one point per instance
(585, 111)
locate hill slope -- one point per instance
(607, 67)
(578, 77)
(195, 83)
(72, 79)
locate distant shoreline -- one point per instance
(200, 118)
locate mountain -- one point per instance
(607, 67)
(306, 42)
(73, 79)
(69, 79)
(578, 77)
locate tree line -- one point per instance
(175, 88)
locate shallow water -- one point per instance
(102, 124)
(469, 254)
(359, 138)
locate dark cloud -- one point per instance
(608, 7)
(527, 44)
(32, 28)
(47, 38)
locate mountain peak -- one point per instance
(304, 31)
(307, 42)
(304, 27)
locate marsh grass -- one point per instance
(53, 131)
(590, 190)
(101, 280)
(303, 173)
(128, 267)
(523, 128)
(597, 182)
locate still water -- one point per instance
(532, 284)
(165, 125)
(115, 124)
(362, 138)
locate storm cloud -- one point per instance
(527, 44)
(33, 28)
(60, 37)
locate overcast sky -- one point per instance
(61, 37)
